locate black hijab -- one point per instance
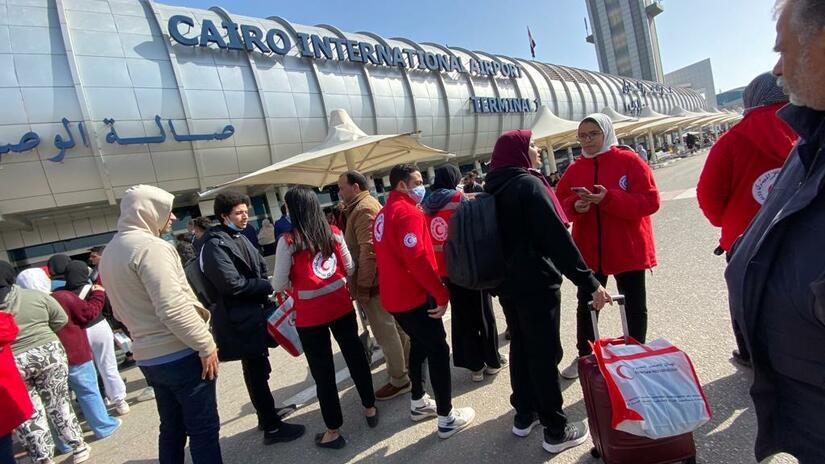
(57, 265)
(77, 276)
(446, 177)
(7, 276)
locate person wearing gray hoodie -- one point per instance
(149, 293)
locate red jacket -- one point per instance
(616, 235)
(319, 286)
(14, 396)
(80, 312)
(407, 271)
(438, 225)
(741, 169)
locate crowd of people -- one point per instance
(188, 307)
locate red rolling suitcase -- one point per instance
(613, 446)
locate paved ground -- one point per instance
(688, 306)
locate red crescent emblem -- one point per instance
(623, 374)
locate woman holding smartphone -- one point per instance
(609, 193)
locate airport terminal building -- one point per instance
(99, 95)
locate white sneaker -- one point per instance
(146, 394)
(502, 361)
(81, 454)
(122, 407)
(458, 419)
(572, 371)
(422, 409)
(478, 376)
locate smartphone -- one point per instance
(580, 191)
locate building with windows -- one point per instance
(100, 95)
(697, 76)
(732, 99)
(624, 32)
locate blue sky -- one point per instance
(737, 35)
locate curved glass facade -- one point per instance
(112, 66)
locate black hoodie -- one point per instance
(537, 247)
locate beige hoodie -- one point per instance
(146, 283)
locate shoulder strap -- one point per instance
(507, 184)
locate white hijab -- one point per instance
(606, 125)
(35, 279)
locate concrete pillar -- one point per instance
(569, 154)
(273, 204)
(549, 161)
(282, 192)
(387, 186)
(430, 175)
(371, 184)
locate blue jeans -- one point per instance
(83, 382)
(188, 407)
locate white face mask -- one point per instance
(418, 193)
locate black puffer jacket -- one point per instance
(537, 247)
(241, 289)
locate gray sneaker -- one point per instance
(575, 434)
(571, 372)
(425, 410)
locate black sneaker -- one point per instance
(284, 433)
(283, 413)
(738, 358)
(575, 434)
(523, 424)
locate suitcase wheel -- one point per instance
(595, 453)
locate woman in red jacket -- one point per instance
(14, 396)
(609, 193)
(313, 260)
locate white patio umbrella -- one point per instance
(346, 147)
(549, 129)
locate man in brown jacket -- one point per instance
(361, 209)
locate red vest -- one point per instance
(319, 286)
(438, 225)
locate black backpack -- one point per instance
(474, 253)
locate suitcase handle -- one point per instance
(620, 300)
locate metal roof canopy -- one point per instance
(346, 147)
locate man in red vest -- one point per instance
(409, 281)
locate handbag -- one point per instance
(281, 326)
(654, 391)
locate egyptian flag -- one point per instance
(532, 42)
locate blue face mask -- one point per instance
(418, 193)
(234, 227)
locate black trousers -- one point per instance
(428, 341)
(6, 450)
(318, 350)
(475, 335)
(630, 284)
(535, 351)
(256, 377)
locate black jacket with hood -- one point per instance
(537, 247)
(241, 290)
